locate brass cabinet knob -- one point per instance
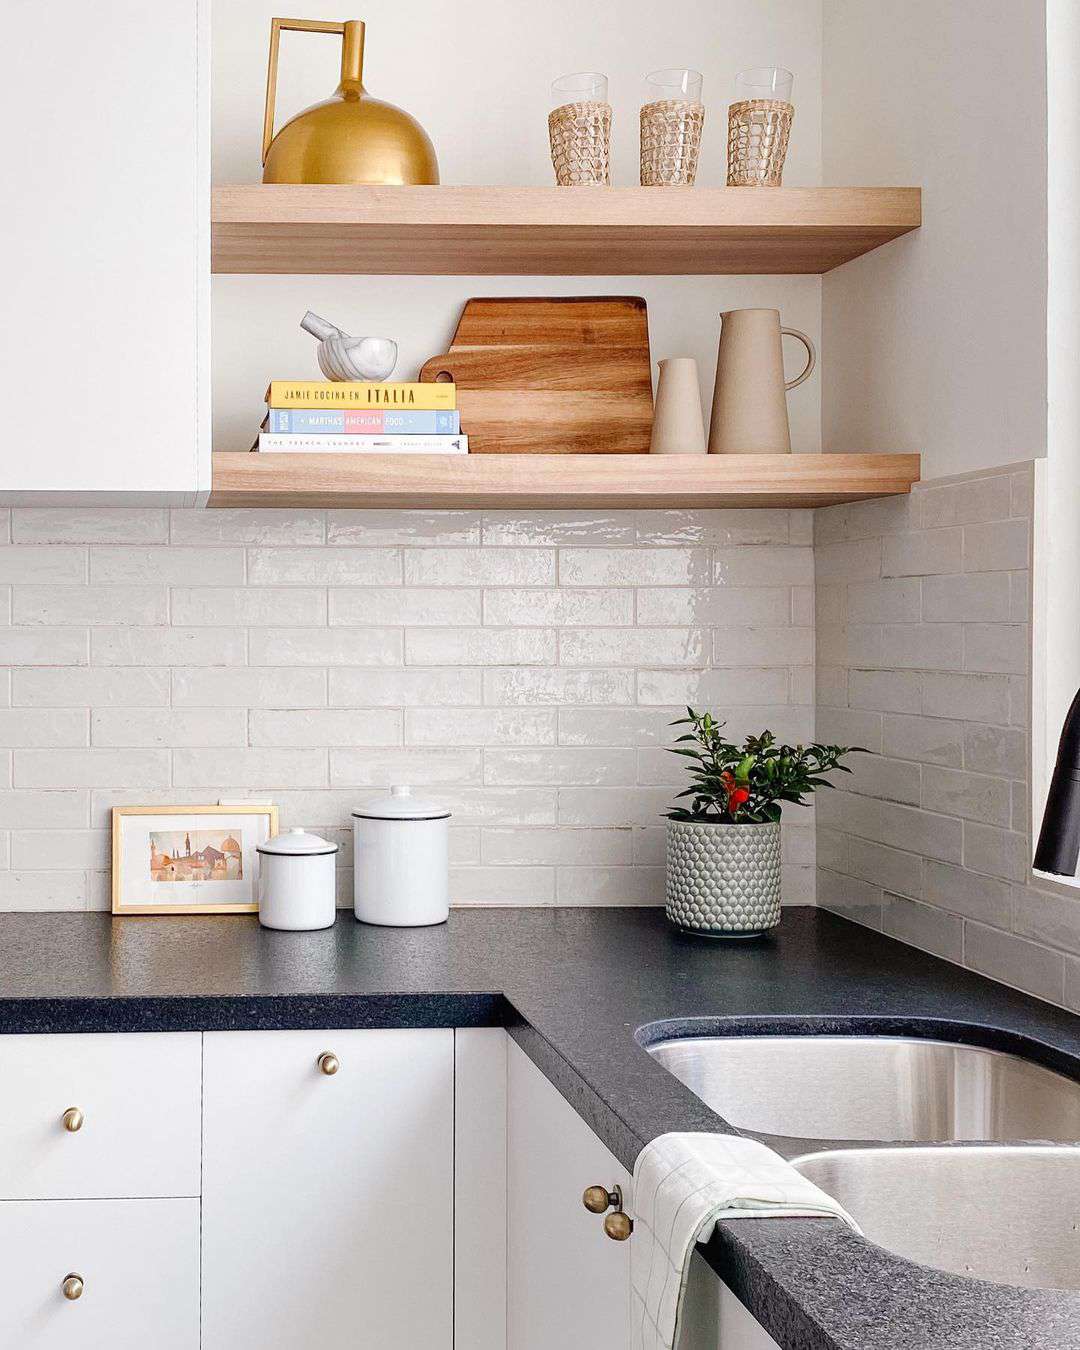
(618, 1226)
(73, 1121)
(72, 1287)
(329, 1063)
(598, 1199)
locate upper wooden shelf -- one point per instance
(539, 482)
(552, 231)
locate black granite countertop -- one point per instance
(573, 987)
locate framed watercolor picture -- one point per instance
(188, 859)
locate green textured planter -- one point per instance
(723, 881)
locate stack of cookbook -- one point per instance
(357, 417)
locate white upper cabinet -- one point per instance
(105, 230)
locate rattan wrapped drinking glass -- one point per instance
(672, 117)
(759, 127)
(579, 127)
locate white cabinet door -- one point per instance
(134, 1099)
(328, 1199)
(139, 1265)
(568, 1284)
(105, 236)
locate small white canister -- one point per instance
(296, 881)
(401, 856)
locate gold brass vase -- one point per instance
(349, 137)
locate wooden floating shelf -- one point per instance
(291, 228)
(543, 482)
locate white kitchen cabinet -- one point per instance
(568, 1284)
(328, 1198)
(134, 1104)
(105, 234)
(138, 1261)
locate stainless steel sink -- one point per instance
(879, 1088)
(1010, 1214)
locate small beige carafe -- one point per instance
(749, 410)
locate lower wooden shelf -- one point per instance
(543, 482)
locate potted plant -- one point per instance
(723, 849)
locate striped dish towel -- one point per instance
(684, 1183)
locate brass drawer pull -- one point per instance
(329, 1063)
(73, 1122)
(618, 1225)
(72, 1287)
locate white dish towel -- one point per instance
(684, 1183)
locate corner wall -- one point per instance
(937, 342)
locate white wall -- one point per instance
(937, 342)
(477, 75)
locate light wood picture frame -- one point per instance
(199, 851)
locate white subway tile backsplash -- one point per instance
(633, 566)
(173, 566)
(37, 891)
(168, 646)
(325, 647)
(480, 567)
(975, 897)
(304, 727)
(62, 850)
(848, 560)
(481, 726)
(1008, 958)
(89, 525)
(763, 606)
(28, 728)
(923, 926)
(557, 847)
(324, 566)
(82, 686)
(422, 767)
(978, 499)
(249, 768)
(999, 547)
(922, 646)
(402, 527)
(971, 596)
(250, 687)
(248, 526)
(775, 566)
(167, 727)
(417, 688)
(89, 604)
(538, 529)
(36, 810)
(995, 852)
(525, 665)
(922, 553)
(90, 768)
(975, 796)
(480, 647)
(996, 647)
(931, 740)
(241, 606)
(531, 607)
(45, 566)
(998, 750)
(633, 647)
(967, 697)
(891, 691)
(886, 600)
(406, 606)
(713, 688)
(515, 685)
(44, 646)
(559, 766)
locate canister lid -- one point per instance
(296, 843)
(401, 805)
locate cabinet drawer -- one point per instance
(138, 1099)
(138, 1263)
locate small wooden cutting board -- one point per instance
(550, 375)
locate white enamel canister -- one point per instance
(296, 881)
(401, 856)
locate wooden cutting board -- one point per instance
(543, 375)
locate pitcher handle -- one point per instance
(811, 356)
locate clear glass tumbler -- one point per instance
(672, 117)
(759, 127)
(579, 128)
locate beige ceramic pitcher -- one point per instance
(749, 411)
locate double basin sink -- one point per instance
(951, 1155)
